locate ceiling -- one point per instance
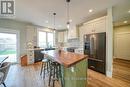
(39, 12)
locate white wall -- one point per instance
(122, 53)
(109, 43)
(122, 29)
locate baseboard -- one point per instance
(109, 74)
(121, 59)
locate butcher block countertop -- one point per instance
(67, 59)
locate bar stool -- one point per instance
(55, 73)
(45, 66)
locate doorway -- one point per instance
(9, 45)
(121, 60)
(122, 48)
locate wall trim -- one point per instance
(122, 33)
(17, 32)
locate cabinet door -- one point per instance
(100, 25)
(69, 34)
(89, 28)
(65, 36)
(60, 36)
(72, 33)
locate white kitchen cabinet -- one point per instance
(94, 26)
(65, 36)
(72, 33)
(89, 28)
(62, 36)
(100, 25)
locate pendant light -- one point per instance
(54, 21)
(68, 14)
(54, 32)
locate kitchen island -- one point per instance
(73, 67)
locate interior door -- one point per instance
(122, 46)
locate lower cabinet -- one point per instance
(38, 56)
(75, 76)
(96, 65)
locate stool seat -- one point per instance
(45, 60)
(55, 64)
(45, 66)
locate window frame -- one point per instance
(46, 37)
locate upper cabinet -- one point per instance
(73, 33)
(100, 25)
(94, 26)
(62, 36)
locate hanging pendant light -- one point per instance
(54, 32)
(54, 21)
(68, 14)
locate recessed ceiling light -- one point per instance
(70, 20)
(59, 26)
(90, 10)
(129, 11)
(125, 22)
(47, 21)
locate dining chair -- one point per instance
(4, 69)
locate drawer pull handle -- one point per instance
(92, 66)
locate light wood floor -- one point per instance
(29, 76)
(121, 76)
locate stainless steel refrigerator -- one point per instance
(95, 48)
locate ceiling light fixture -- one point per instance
(129, 11)
(125, 22)
(54, 20)
(68, 14)
(70, 20)
(90, 10)
(59, 26)
(47, 21)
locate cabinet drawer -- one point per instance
(96, 65)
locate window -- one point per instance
(42, 39)
(50, 39)
(45, 39)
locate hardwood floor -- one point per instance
(121, 67)
(121, 76)
(29, 76)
